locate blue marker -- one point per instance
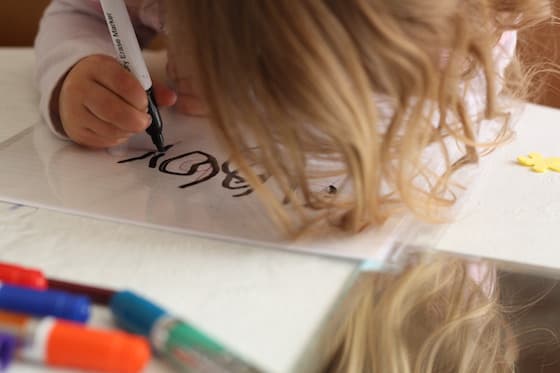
(44, 303)
(188, 348)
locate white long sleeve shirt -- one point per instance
(73, 29)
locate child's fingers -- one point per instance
(191, 105)
(87, 137)
(110, 108)
(120, 81)
(165, 96)
(104, 129)
(189, 102)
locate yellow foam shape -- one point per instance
(554, 163)
(540, 164)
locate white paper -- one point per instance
(39, 170)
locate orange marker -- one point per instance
(66, 344)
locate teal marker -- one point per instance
(187, 348)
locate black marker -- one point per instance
(130, 56)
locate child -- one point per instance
(395, 97)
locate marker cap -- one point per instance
(73, 345)
(8, 344)
(44, 303)
(134, 313)
(20, 276)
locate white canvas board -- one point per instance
(191, 189)
(516, 212)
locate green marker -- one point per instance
(187, 348)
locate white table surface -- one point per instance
(269, 305)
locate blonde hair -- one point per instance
(432, 317)
(300, 80)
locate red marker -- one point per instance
(97, 295)
(21, 276)
(33, 278)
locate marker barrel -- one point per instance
(67, 344)
(124, 39)
(179, 342)
(44, 303)
(73, 345)
(130, 56)
(32, 278)
(101, 296)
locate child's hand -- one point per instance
(188, 100)
(101, 104)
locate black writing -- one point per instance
(200, 165)
(207, 173)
